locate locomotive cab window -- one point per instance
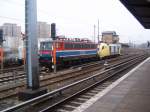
(46, 46)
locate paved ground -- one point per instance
(131, 94)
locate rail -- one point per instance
(37, 99)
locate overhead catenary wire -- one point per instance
(47, 16)
(40, 11)
(23, 4)
(10, 18)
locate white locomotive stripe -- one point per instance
(91, 101)
(75, 50)
(79, 55)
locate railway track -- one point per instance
(15, 75)
(6, 70)
(58, 80)
(20, 75)
(81, 73)
(72, 102)
(71, 96)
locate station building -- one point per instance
(110, 37)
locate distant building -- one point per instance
(110, 37)
(12, 34)
(43, 30)
(11, 30)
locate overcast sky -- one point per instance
(76, 18)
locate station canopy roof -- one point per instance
(140, 9)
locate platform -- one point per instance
(130, 93)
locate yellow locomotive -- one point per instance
(108, 50)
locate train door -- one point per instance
(110, 50)
(115, 50)
(118, 52)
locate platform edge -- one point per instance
(91, 101)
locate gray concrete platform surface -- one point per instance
(131, 93)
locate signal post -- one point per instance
(53, 36)
(54, 57)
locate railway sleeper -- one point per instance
(61, 110)
(75, 103)
(68, 106)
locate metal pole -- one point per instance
(2, 51)
(98, 31)
(53, 36)
(32, 64)
(2, 57)
(54, 57)
(24, 54)
(94, 33)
